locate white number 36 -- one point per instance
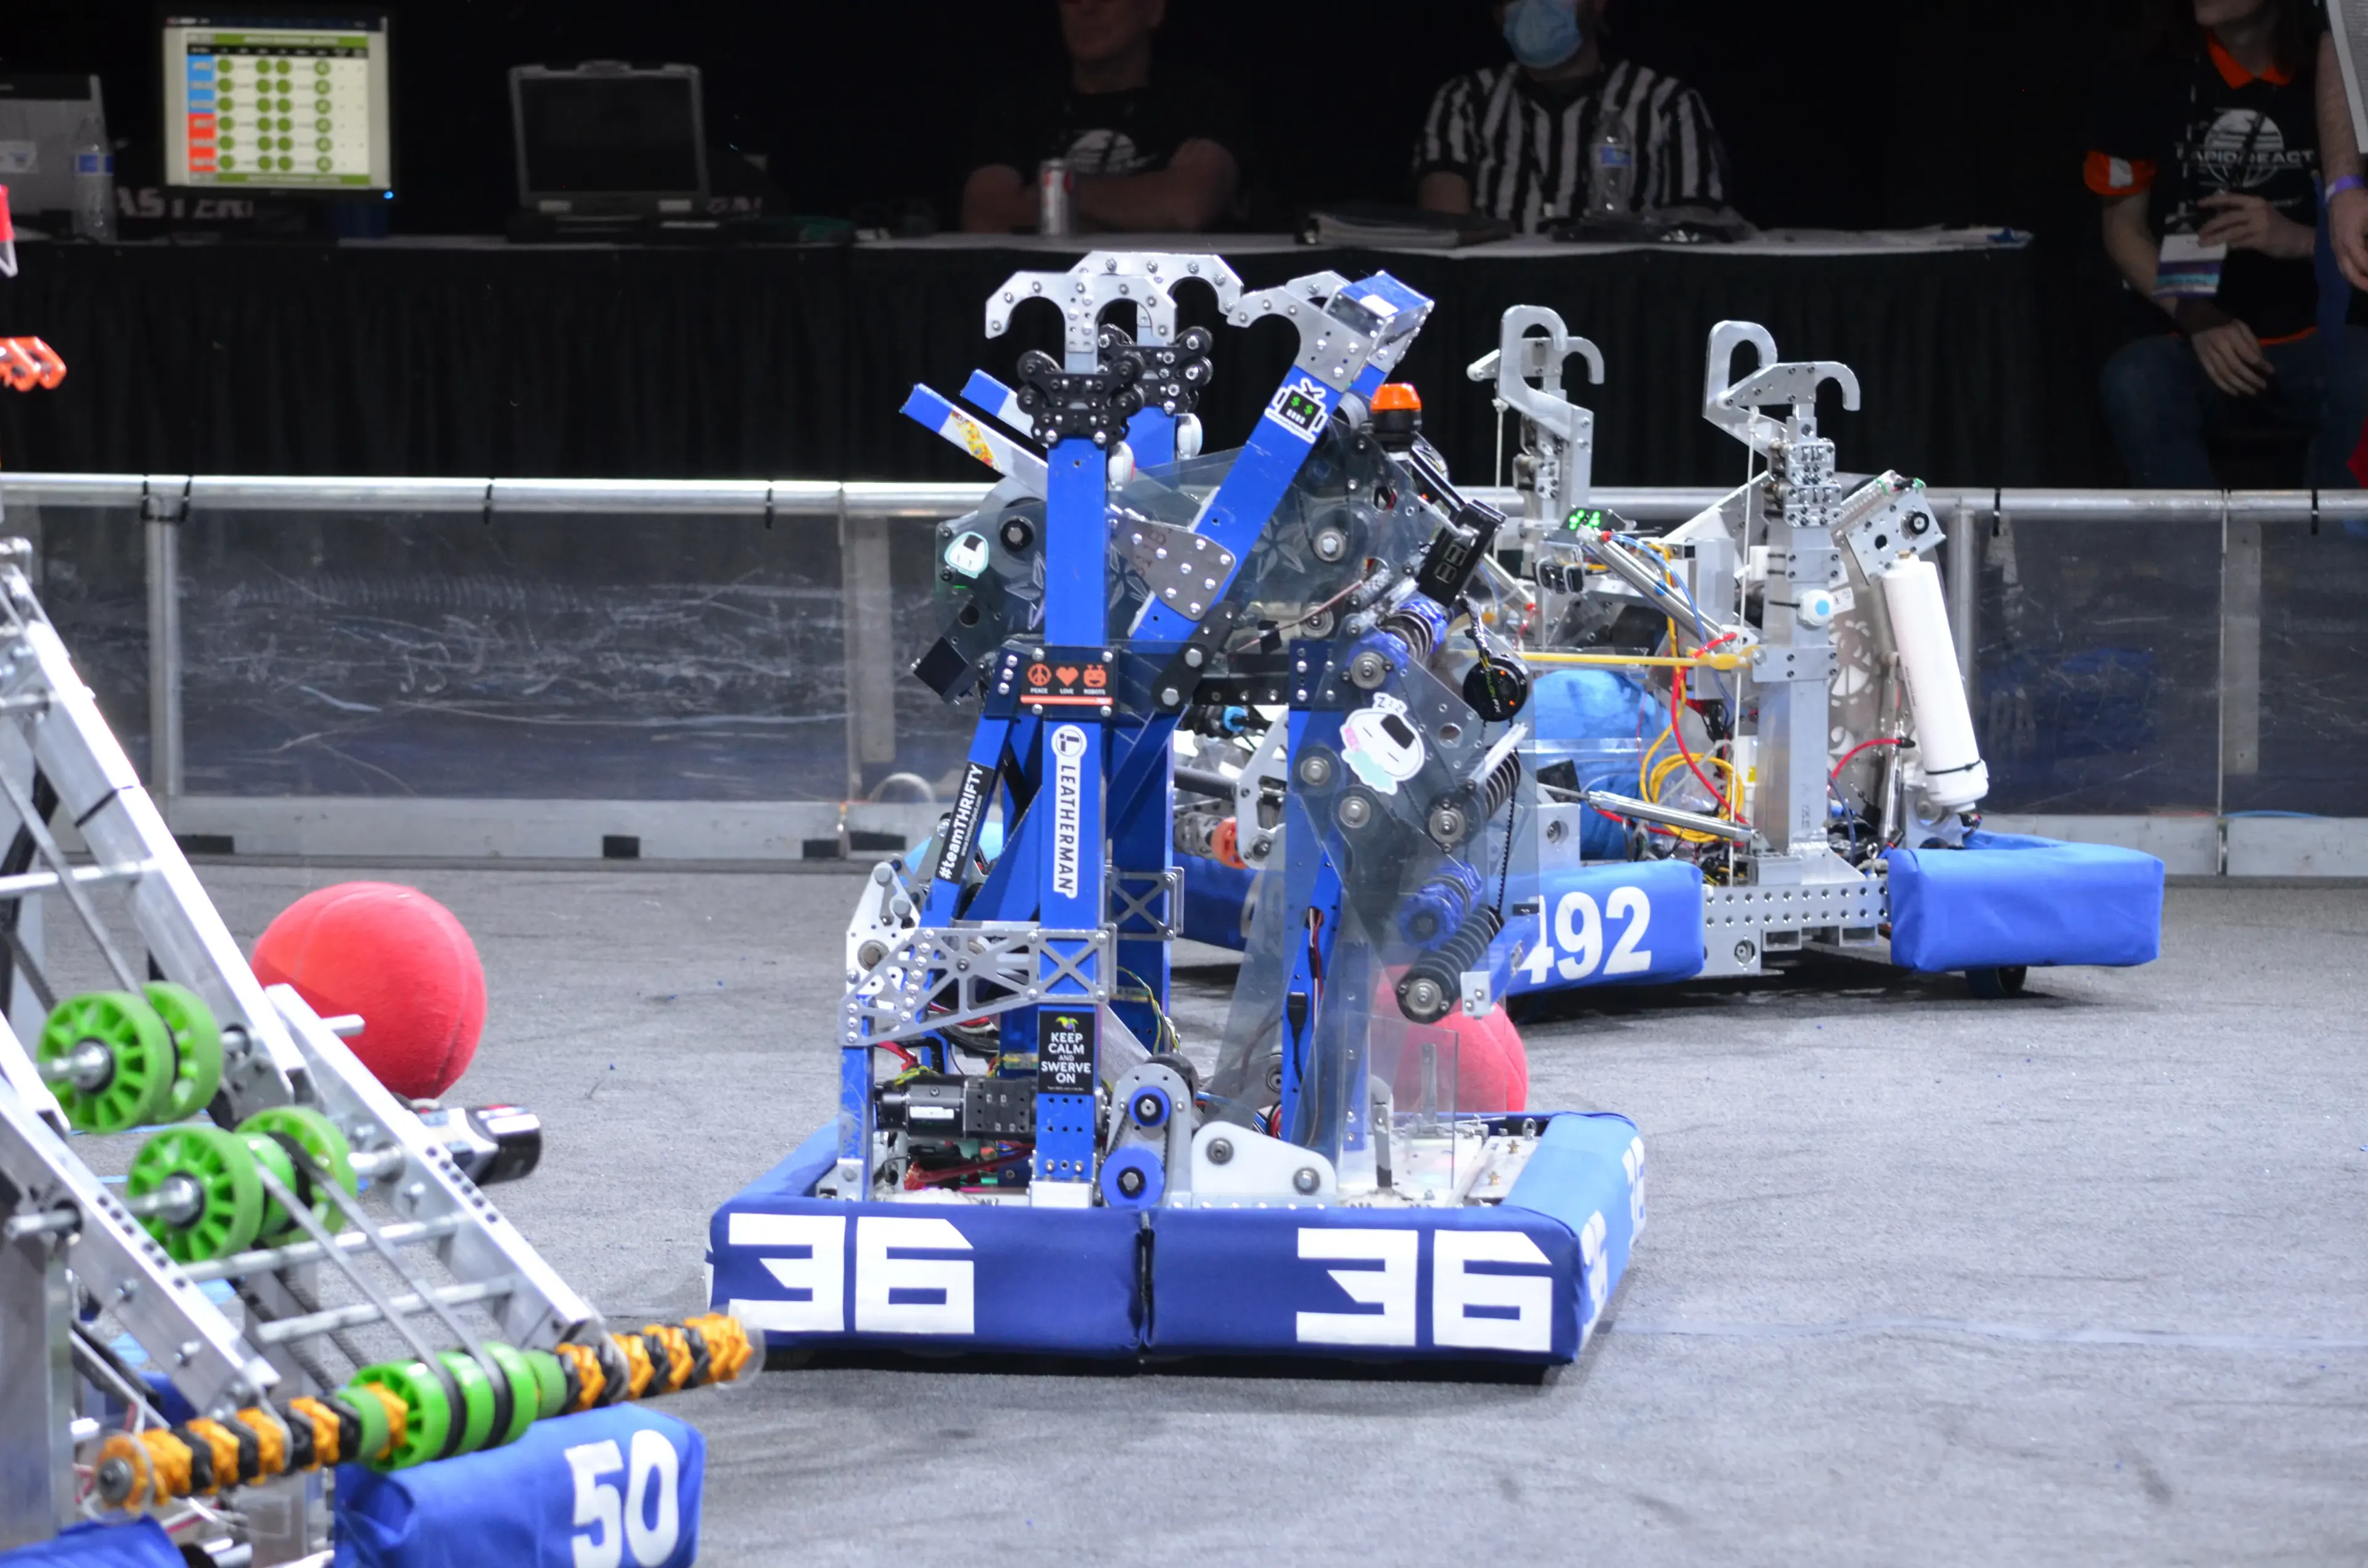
(624, 1530)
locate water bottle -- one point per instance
(94, 182)
(1611, 173)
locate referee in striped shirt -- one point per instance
(1514, 141)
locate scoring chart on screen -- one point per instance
(290, 107)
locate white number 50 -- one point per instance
(622, 1530)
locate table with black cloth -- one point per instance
(461, 357)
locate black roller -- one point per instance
(1503, 779)
(1427, 992)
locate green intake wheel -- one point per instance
(429, 1413)
(476, 1399)
(137, 1080)
(318, 1137)
(373, 1416)
(197, 1045)
(526, 1393)
(222, 1167)
(550, 1381)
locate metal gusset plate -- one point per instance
(936, 973)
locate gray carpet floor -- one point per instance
(2081, 1278)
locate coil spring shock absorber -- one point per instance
(1428, 991)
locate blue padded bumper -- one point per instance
(2006, 899)
(1523, 1281)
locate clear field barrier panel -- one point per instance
(2096, 685)
(2296, 712)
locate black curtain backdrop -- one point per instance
(790, 362)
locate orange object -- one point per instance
(270, 1442)
(638, 1371)
(727, 1345)
(675, 1375)
(28, 362)
(1392, 397)
(1226, 845)
(591, 1378)
(327, 1430)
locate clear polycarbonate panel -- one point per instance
(2097, 689)
(530, 656)
(2298, 709)
(90, 569)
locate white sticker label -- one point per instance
(1068, 808)
(21, 158)
(1380, 747)
(1298, 407)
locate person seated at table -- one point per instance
(1154, 150)
(1516, 141)
(2203, 142)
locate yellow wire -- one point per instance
(1166, 1025)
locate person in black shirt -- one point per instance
(2203, 142)
(1154, 150)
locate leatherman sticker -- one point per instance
(1068, 809)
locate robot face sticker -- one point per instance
(1380, 747)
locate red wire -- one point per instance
(901, 1054)
(1851, 756)
(1678, 732)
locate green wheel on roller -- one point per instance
(223, 1168)
(197, 1047)
(141, 1066)
(429, 1414)
(317, 1136)
(550, 1380)
(373, 1420)
(476, 1399)
(526, 1394)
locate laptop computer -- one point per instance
(604, 143)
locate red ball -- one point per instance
(400, 960)
(1480, 1062)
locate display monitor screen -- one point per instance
(609, 132)
(271, 103)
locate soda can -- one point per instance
(1056, 190)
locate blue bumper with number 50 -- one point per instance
(614, 1488)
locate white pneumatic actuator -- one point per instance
(1954, 775)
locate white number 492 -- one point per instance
(1577, 926)
(621, 1528)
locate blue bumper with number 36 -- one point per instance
(1521, 1280)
